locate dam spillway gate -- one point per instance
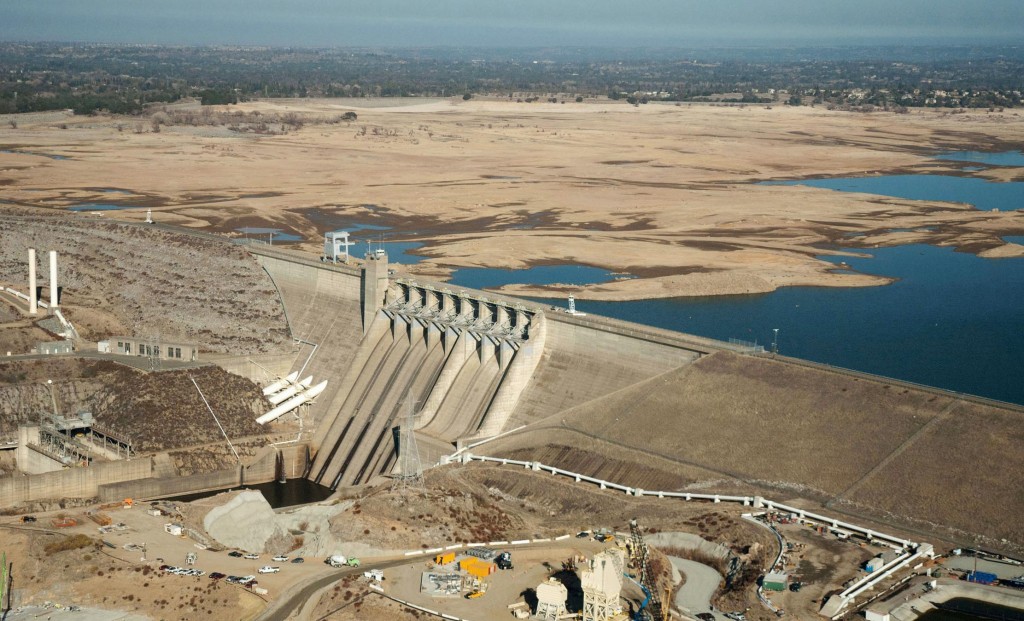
(462, 359)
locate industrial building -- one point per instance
(775, 581)
(602, 585)
(551, 598)
(162, 350)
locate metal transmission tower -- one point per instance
(410, 469)
(648, 582)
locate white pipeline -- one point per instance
(32, 281)
(53, 279)
(292, 403)
(290, 392)
(279, 384)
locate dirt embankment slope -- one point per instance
(665, 193)
(156, 411)
(121, 279)
(922, 460)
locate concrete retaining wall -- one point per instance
(262, 470)
(71, 483)
(153, 487)
(259, 369)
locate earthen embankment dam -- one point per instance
(652, 408)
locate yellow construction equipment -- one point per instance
(444, 559)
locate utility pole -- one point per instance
(411, 469)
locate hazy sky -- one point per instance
(597, 23)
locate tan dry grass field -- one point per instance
(659, 191)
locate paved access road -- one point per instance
(281, 608)
(701, 583)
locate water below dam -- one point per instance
(288, 494)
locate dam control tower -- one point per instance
(374, 285)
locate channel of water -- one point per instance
(288, 494)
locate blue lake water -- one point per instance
(265, 232)
(985, 195)
(953, 320)
(485, 277)
(36, 153)
(1005, 158)
(100, 207)
(398, 252)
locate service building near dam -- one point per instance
(379, 358)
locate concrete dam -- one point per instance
(472, 364)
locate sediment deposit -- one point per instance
(665, 193)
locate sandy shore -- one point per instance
(664, 193)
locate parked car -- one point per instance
(280, 558)
(28, 518)
(583, 534)
(217, 575)
(235, 553)
(251, 556)
(298, 559)
(267, 569)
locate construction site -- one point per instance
(469, 455)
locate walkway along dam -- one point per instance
(651, 408)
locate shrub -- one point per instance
(74, 542)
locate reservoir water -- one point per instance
(1005, 158)
(480, 277)
(983, 194)
(950, 320)
(100, 207)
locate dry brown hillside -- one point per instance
(156, 411)
(123, 279)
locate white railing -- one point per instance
(910, 550)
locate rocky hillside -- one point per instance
(128, 279)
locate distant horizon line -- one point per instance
(665, 47)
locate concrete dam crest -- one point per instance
(473, 363)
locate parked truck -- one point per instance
(981, 577)
(338, 560)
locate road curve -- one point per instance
(282, 608)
